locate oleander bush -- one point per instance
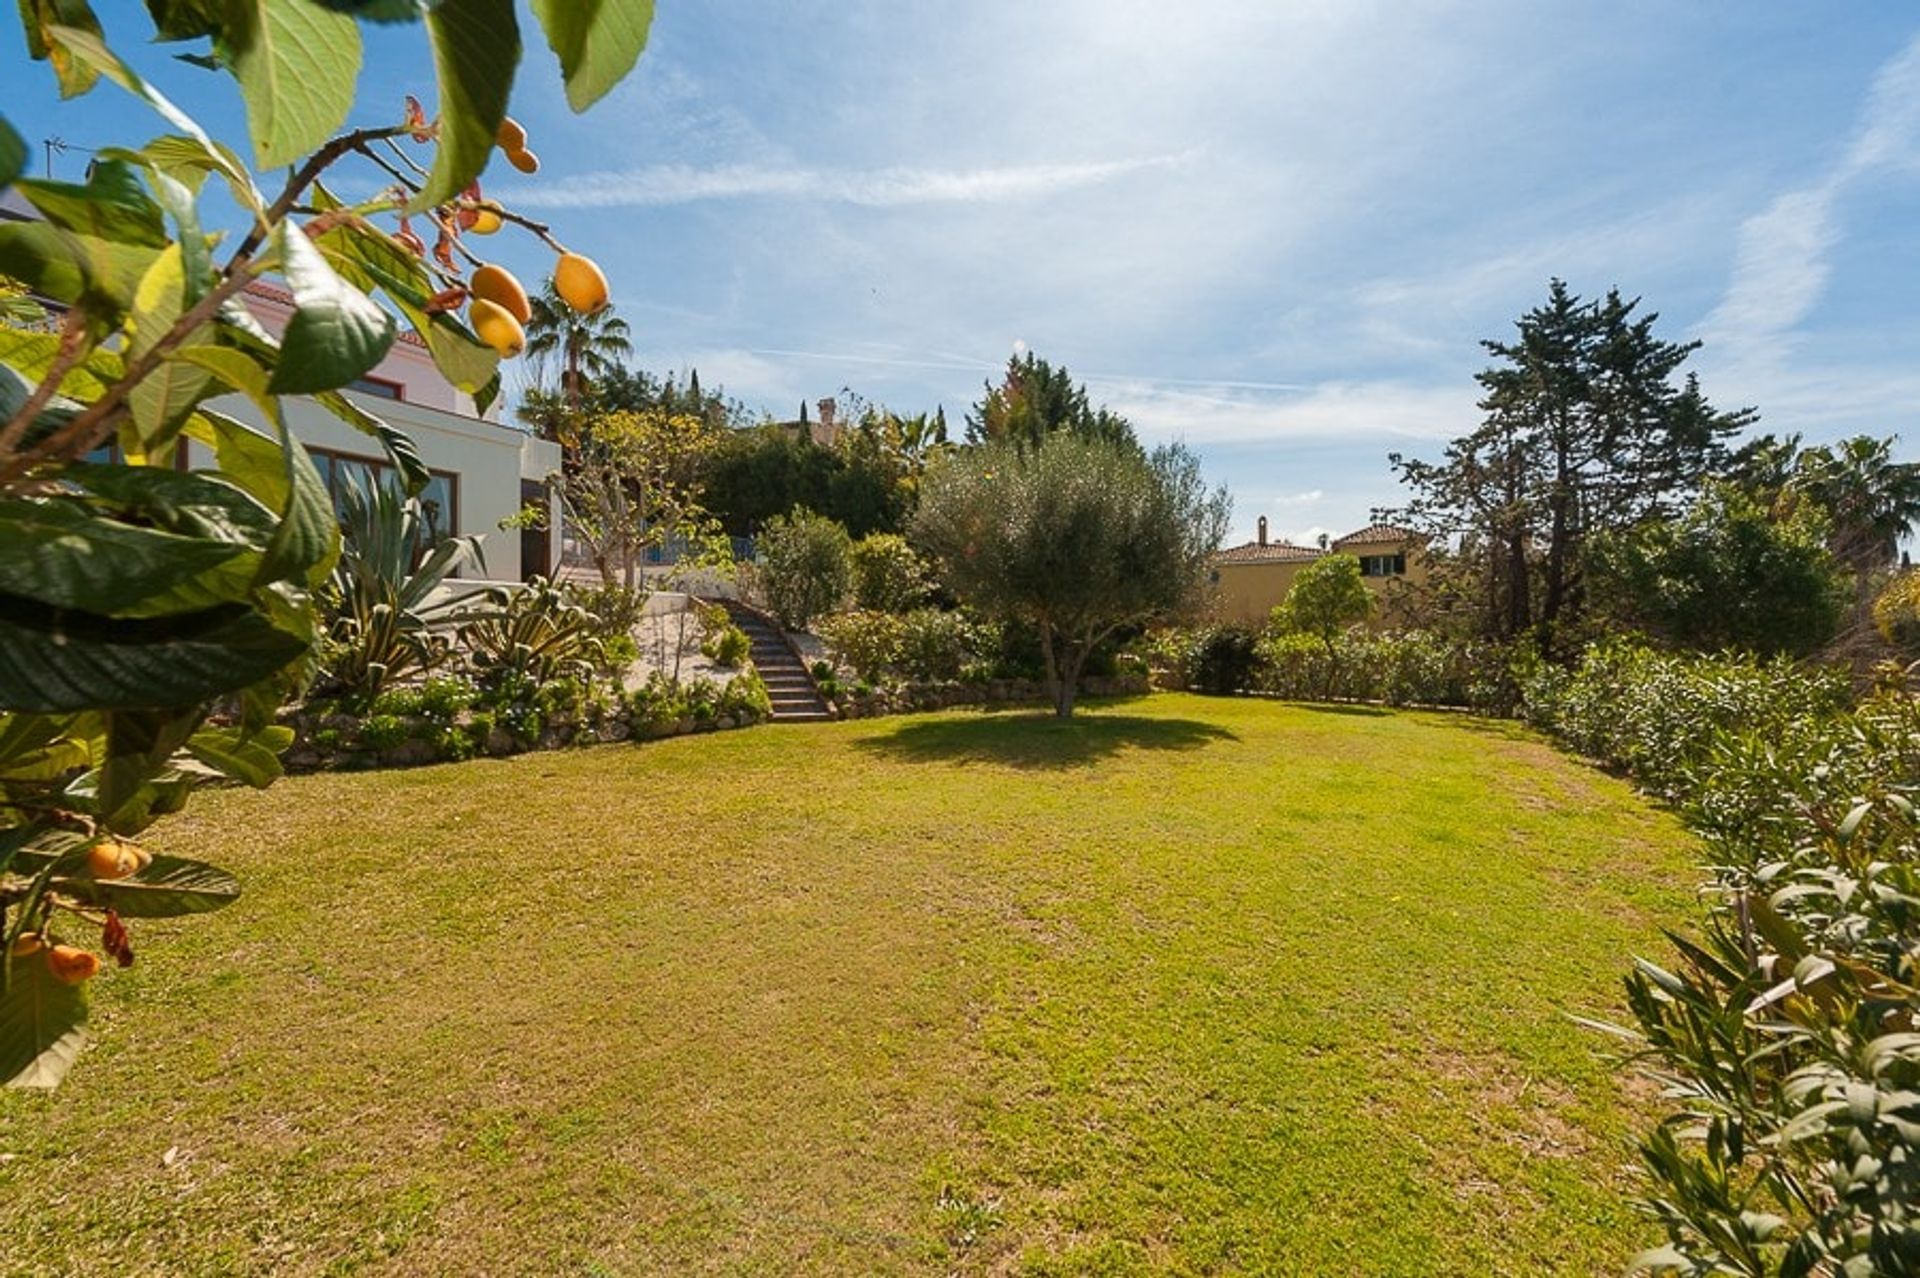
(926, 645)
(805, 566)
(1784, 1034)
(1661, 715)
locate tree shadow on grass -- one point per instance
(1341, 707)
(1038, 740)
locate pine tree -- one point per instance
(1584, 432)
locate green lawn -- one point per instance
(1186, 985)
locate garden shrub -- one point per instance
(935, 645)
(722, 642)
(866, 642)
(1896, 613)
(1658, 714)
(888, 576)
(805, 566)
(927, 645)
(1224, 659)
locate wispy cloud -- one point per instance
(875, 188)
(1782, 262)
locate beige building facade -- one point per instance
(1251, 579)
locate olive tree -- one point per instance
(1077, 537)
(154, 617)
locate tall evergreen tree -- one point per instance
(1585, 431)
(1036, 400)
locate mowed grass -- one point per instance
(1186, 985)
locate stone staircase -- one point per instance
(789, 686)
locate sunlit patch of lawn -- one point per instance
(1185, 984)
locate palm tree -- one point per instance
(1872, 500)
(589, 346)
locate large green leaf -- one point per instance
(240, 371)
(307, 541)
(373, 260)
(161, 400)
(81, 270)
(252, 759)
(42, 1024)
(54, 659)
(170, 886)
(64, 554)
(40, 747)
(397, 444)
(133, 778)
(189, 160)
(50, 25)
(87, 46)
(297, 63)
(110, 205)
(337, 333)
(476, 47)
(13, 154)
(597, 42)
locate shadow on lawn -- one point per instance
(1040, 741)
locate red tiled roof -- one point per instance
(1378, 533)
(1273, 552)
(274, 293)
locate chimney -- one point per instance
(827, 409)
(1263, 530)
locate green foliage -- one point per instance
(865, 641)
(1075, 537)
(724, 643)
(1327, 596)
(1786, 1031)
(1225, 659)
(383, 621)
(806, 566)
(156, 618)
(1896, 613)
(1035, 401)
(1726, 574)
(759, 474)
(887, 575)
(1659, 715)
(532, 633)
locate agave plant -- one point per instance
(535, 631)
(383, 618)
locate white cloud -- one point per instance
(874, 188)
(1342, 411)
(1782, 263)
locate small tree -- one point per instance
(887, 575)
(631, 480)
(1075, 536)
(806, 565)
(1328, 596)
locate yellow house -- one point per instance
(1250, 579)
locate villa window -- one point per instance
(1383, 565)
(439, 501)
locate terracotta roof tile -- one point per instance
(1378, 533)
(1273, 552)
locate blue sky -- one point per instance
(1276, 231)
